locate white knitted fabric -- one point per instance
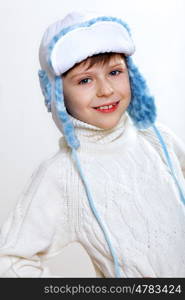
(132, 190)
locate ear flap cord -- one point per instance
(169, 162)
(95, 212)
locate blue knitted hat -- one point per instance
(71, 40)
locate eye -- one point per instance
(84, 81)
(115, 72)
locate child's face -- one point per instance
(99, 85)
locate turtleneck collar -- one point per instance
(91, 133)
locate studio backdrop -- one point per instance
(27, 133)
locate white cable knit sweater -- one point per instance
(132, 190)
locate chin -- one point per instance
(109, 125)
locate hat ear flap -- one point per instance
(63, 116)
(45, 87)
(142, 107)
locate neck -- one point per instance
(90, 133)
(94, 140)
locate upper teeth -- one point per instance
(105, 107)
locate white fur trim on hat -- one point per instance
(80, 35)
(82, 42)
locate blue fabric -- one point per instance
(142, 107)
(68, 128)
(46, 88)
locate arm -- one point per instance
(29, 231)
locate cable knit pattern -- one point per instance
(132, 190)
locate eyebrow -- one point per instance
(86, 71)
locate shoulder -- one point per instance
(46, 175)
(169, 135)
(45, 168)
(166, 133)
(51, 164)
(173, 142)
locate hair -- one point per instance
(101, 58)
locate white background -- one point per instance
(27, 132)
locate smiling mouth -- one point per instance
(107, 106)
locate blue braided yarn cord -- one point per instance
(169, 162)
(95, 212)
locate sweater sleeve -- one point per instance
(28, 232)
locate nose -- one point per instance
(104, 88)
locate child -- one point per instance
(116, 184)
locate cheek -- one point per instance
(74, 101)
(80, 97)
(129, 90)
(124, 89)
